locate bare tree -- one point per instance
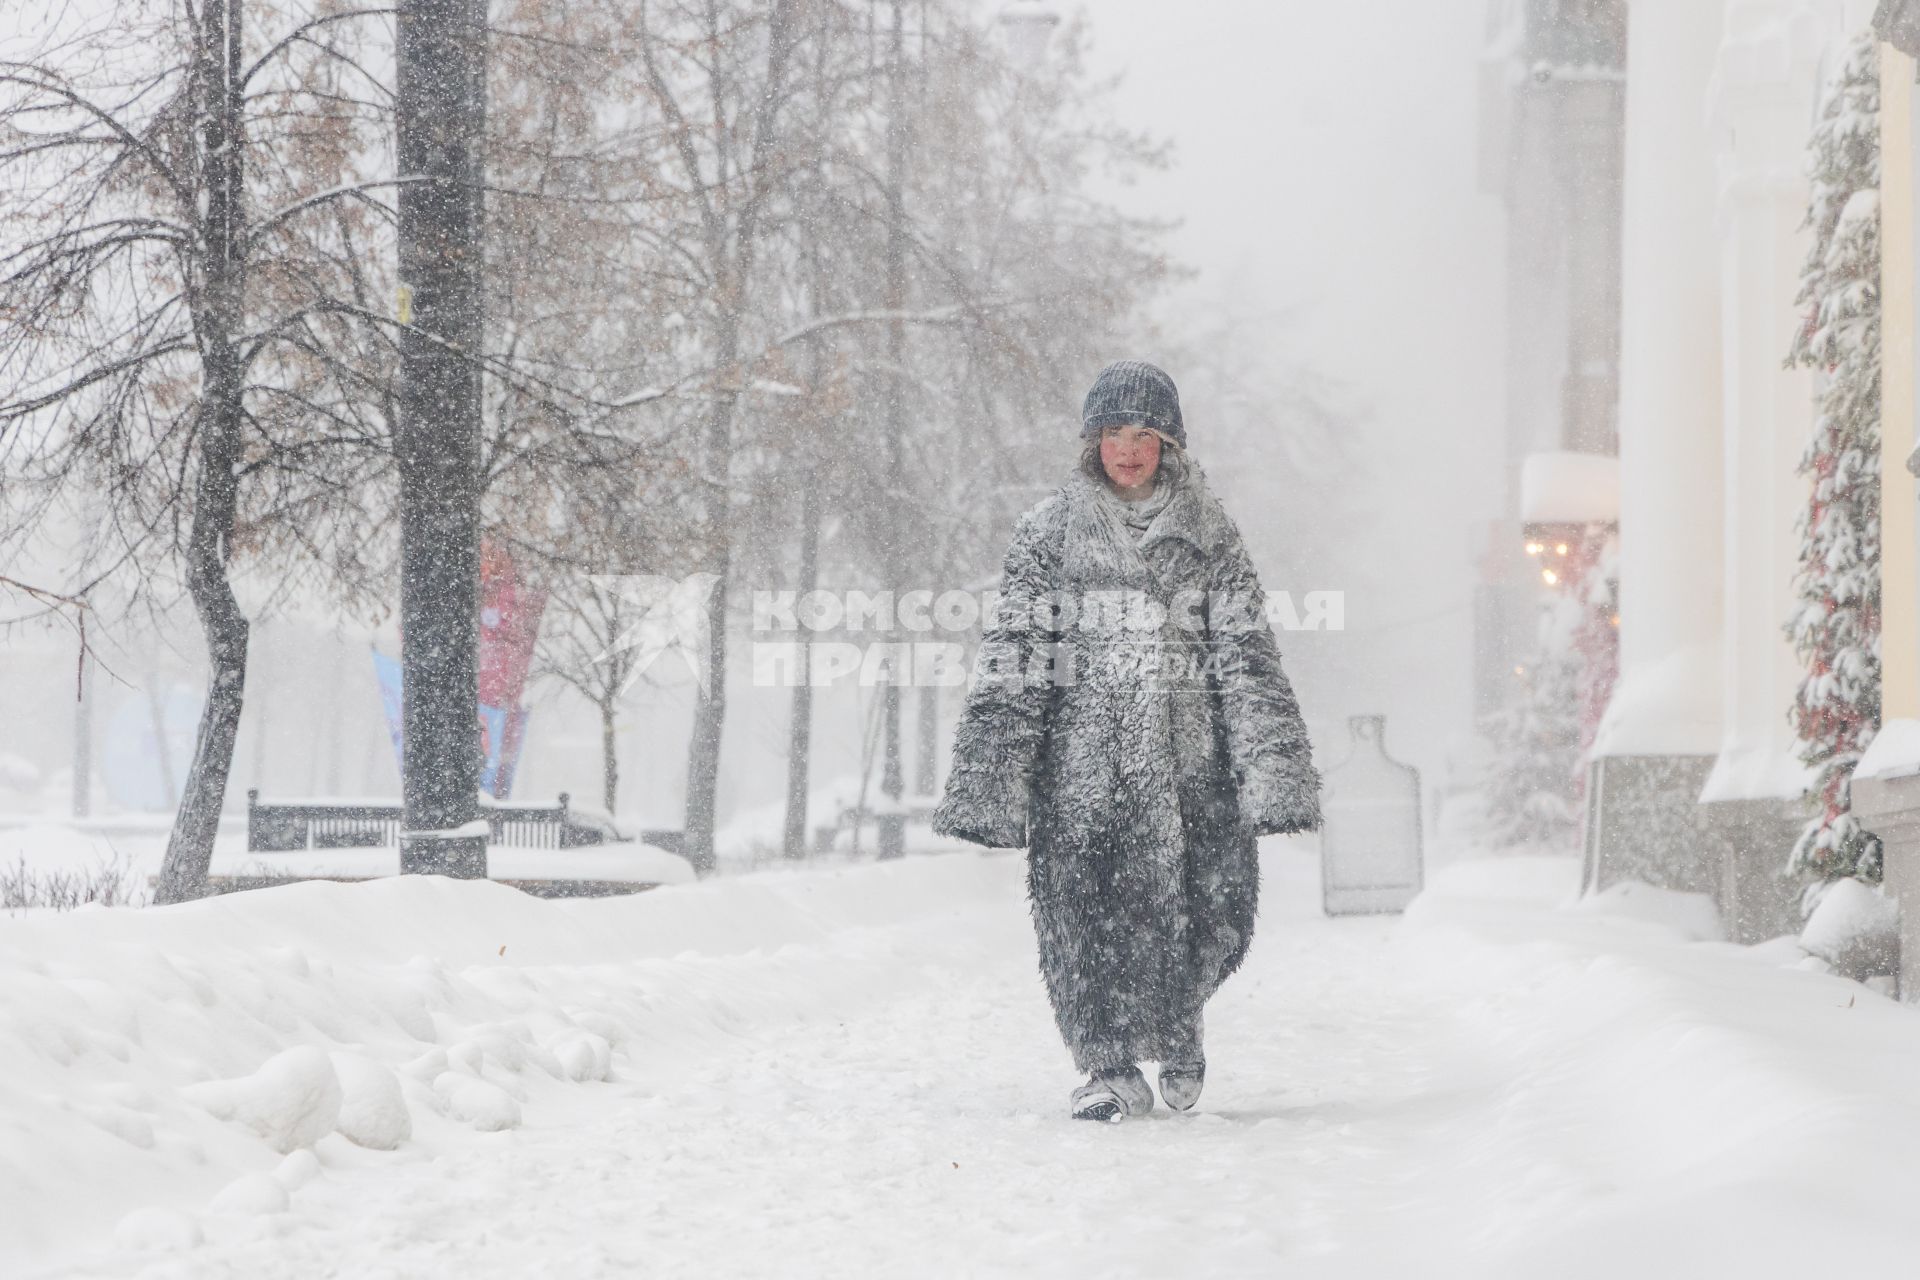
(983, 209)
(721, 236)
(717, 78)
(170, 296)
(586, 651)
(953, 282)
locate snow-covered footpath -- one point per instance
(853, 1072)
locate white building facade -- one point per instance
(1695, 782)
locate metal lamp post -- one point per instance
(440, 96)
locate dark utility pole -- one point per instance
(440, 109)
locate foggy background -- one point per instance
(1345, 270)
(1325, 182)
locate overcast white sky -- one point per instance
(1326, 170)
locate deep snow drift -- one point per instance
(854, 1072)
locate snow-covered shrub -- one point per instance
(1856, 929)
(1836, 627)
(109, 883)
(1533, 775)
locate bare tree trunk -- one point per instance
(892, 825)
(219, 317)
(609, 759)
(734, 255)
(439, 115)
(710, 711)
(83, 738)
(927, 722)
(703, 759)
(800, 730)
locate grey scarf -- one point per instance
(1136, 517)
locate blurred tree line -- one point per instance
(785, 291)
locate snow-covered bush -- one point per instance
(1541, 739)
(1836, 627)
(1856, 929)
(109, 883)
(1532, 790)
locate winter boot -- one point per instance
(1180, 1083)
(1112, 1096)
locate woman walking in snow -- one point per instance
(1131, 727)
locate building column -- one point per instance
(1663, 726)
(1764, 89)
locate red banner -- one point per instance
(510, 614)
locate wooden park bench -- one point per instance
(529, 847)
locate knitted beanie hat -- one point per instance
(1134, 391)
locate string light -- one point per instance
(1551, 578)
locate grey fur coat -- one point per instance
(1136, 753)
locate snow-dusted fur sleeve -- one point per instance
(999, 734)
(1266, 737)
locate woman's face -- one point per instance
(1130, 454)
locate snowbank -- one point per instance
(1689, 916)
(623, 863)
(157, 1067)
(132, 853)
(854, 1072)
(1709, 1108)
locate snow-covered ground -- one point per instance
(853, 1072)
(127, 853)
